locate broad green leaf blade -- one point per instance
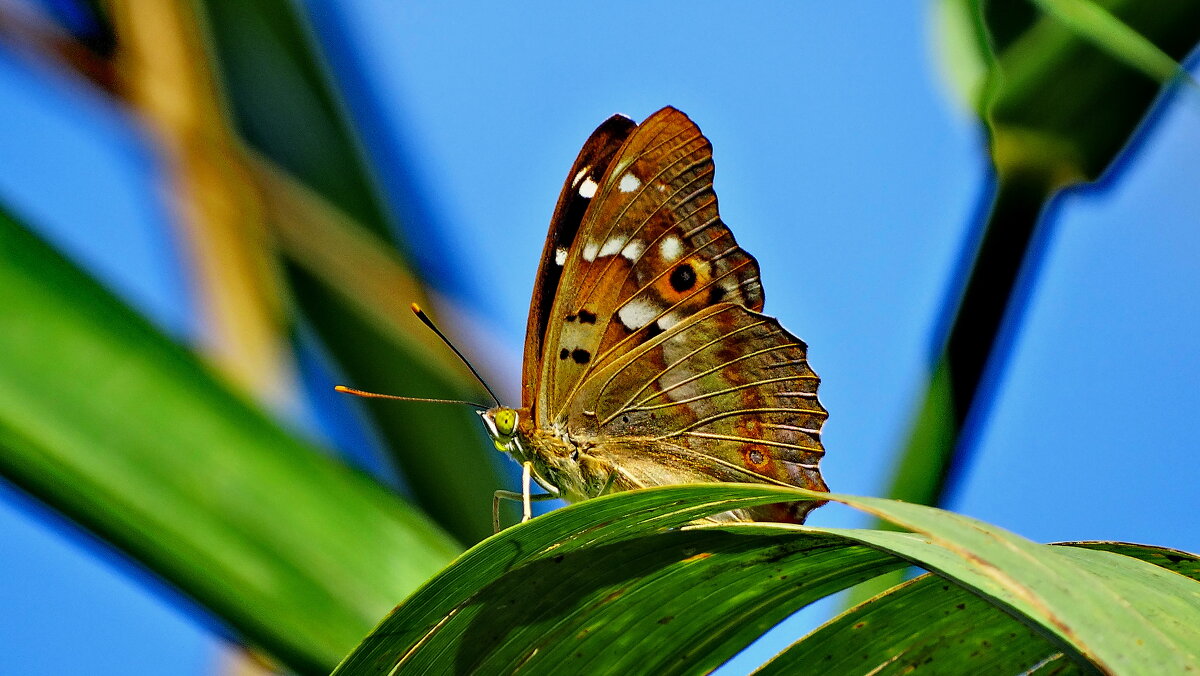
(939, 627)
(602, 569)
(590, 610)
(1168, 602)
(111, 423)
(928, 624)
(270, 63)
(443, 625)
(1122, 614)
(1184, 563)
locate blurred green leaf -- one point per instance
(603, 585)
(111, 423)
(270, 64)
(1091, 21)
(1061, 99)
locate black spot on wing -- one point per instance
(581, 356)
(564, 353)
(586, 317)
(595, 157)
(683, 278)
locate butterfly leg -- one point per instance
(497, 497)
(526, 508)
(524, 497)
(515, 497)
(612, 480)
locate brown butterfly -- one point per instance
(647, 361)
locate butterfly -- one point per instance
(647, 359)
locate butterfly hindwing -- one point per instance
(727, 392)
(651, 250)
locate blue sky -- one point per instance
(845, 164)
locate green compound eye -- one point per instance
(506, 422)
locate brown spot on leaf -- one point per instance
(613, 596)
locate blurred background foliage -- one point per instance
(200, 450)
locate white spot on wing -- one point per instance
(579, 176)
(560, 256)
(637, 313)
(611, 247)
(671, 248)
(629, 183)
(589, 251)
(670, 319)
(587, 189)
(634, 249)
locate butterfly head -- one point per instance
(501, 423)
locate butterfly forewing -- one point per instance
(651, 251)
(573, 201)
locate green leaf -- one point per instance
(581, 589)
(1062, 95)
(125, 432)
(930, 624)
(602, 585)
(269, 63)
(927, 623)
(1184, 563)
(1121, 614)
(1094, 23)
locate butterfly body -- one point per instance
(648, 361)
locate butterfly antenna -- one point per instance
(433, 327)
(375, 395)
